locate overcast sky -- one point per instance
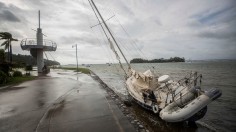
(194, 29)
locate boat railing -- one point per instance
(192, 82)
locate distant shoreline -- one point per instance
(193, 61)
(161, 60)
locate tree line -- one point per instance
(161, 60)
(23, 60)
(29, 60)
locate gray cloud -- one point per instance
(225, 31)
(8, 16)
(82, 39)
(217, 35)
(190, 29)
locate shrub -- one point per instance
(84, 70)
(17, 74)
(5, 67)
(2, 55)
(3, 77)
(28, 68)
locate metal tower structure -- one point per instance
(38, 46)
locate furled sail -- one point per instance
(144, 80)
(113, 49)
(117, 56)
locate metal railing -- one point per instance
(190, 81)
(33, 41)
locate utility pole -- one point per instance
(76, 57)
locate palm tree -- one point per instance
(2, 56)
(7, 43)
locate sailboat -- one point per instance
(172, 101)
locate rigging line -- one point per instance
(121, 44)
(46, 55)
(112, 13)
(107, 28)
(108, 53)
(51, 56)
(133, 42)
(118, 58)
(106, 48)
(106, 34)
(87, 15)
(103, 46)
(112, 57)
(93, 30)
(126, 41)
(102, 22)
(125, 47)
(98, 19)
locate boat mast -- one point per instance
(111, 34)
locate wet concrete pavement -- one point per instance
(60, 104)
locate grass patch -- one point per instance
(15, 80)
(83, 70)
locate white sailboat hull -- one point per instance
(137, 96)
(194, 108)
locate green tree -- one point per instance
(28, 68)
(4, 67)
(2, 56)
(7, 43)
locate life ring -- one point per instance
(155, 109)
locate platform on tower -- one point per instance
(28, 44)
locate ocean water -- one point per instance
(221, 114)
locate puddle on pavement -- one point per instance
(6, 111)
